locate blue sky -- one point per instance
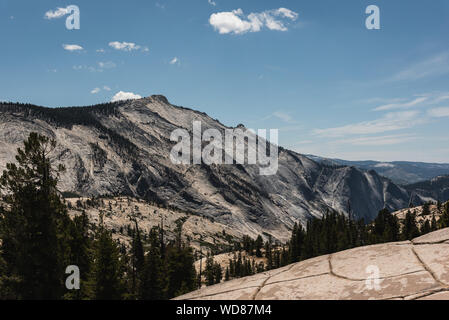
(309, 68)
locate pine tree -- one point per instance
(426, 209)
(209, 270)
(444, 220)
(152, 279)
(227, 276)
(259, 245)
(232, 267)
(218, 273)
(296, 243)
(8, 284)
(433, 224)
(137, 259)
(269, 256)
(410, 230)
(33, 228)
(80, 254)
(386, 227)
(106, 278)
(180, 271)
(426, 228)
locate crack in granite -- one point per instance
(428, 269)
(268, 278)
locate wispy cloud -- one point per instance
(389, 122)
(281, 115)
(418, 100)
(377, 140)
(405, 105)
(441, 98)
(97, 90)
(106, 65)
(439, 112)
(236, 22)
(72, 47)
(100, 67)
(434, 66)
(175, 60)
(212, 3)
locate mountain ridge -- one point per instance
(123, 148)
(400, 172)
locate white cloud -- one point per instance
(434, 66)
(389, 122)
(283, 116)
(304, 142)
(106, 65)
(100, 50)
(100, 67)
(96, 90)
(127, 46)
(439, 112)
(235, 21)
(287, 13)
(441, 98)
(175, 60)
(378, 140)
(380, 100)
(125, 96)
(56, 14)
(418, 100)
(405, 105)
(72, 47)
(212, 3)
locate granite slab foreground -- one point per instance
(417, 269)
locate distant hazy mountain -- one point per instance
(436, 188)
(123, 148)
(400, 172)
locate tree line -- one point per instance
(332, 233)
(38, 241)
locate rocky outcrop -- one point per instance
(409, 270)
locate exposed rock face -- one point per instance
(417, 269)
(123, 148)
